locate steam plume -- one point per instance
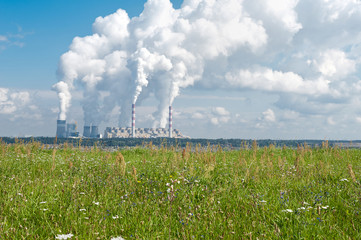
(160, 52)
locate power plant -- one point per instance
(69, 130)
(61, 128)
(64, 130)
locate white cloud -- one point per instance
(3, 38)
(220, 111)
(265, 79)
(284, 11)
(335, 9)
(334, 63)
(269, 115)
(14, 102)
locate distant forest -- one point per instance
(134, 142)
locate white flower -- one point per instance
(305, 203)
(344, 179)
(96, 203)
(81, 210)
(178, 182)
(325, 207)
(45, 209)
(117, 238)
(82, 193)
(167, 184)
(302, 208)
(42, 202)
(64, 236)
(168, 190)
(288, 210)
(116, 217)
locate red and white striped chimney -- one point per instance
(133, 120)
(170, 121)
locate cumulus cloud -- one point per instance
(305, 53)
(269, 115)
(159, 52)
(11, 102)
(335, 64)
(266, 79)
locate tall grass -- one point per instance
(172, 193)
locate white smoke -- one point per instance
(64, 97)
(160, 52)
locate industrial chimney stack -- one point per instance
(170, 122)
(94, 132)
(60, 128)
(86, 132)
(133, 120)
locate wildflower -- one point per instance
(288, 210)
(42, 202)
(167, 184)
(81, 210)
(301, 208)
(115, 217)
(45, 209)
(344, 179)
(64, 236)
(325, 207)
(96, 203)
(117, 238)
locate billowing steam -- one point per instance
(159, 52)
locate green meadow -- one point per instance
(166, 192)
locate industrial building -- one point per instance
(92, 131)
(64, 130)
(114, 132)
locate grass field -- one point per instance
(172, 193)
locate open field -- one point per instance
(179, 193)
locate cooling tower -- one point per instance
(95, 132)
(133, 120)
(170, 121)
(86, 132)
(60, 128)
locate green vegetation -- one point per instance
(159, 192)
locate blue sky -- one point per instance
(44, 29)
(288, 70)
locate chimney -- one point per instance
(60, 128)
(170, 122)
(133, 120)
(94, 132)
(86, 132)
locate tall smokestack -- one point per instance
(170, 121)
(94, 132)
(133, 120)
(60, 128)
(86, 132)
